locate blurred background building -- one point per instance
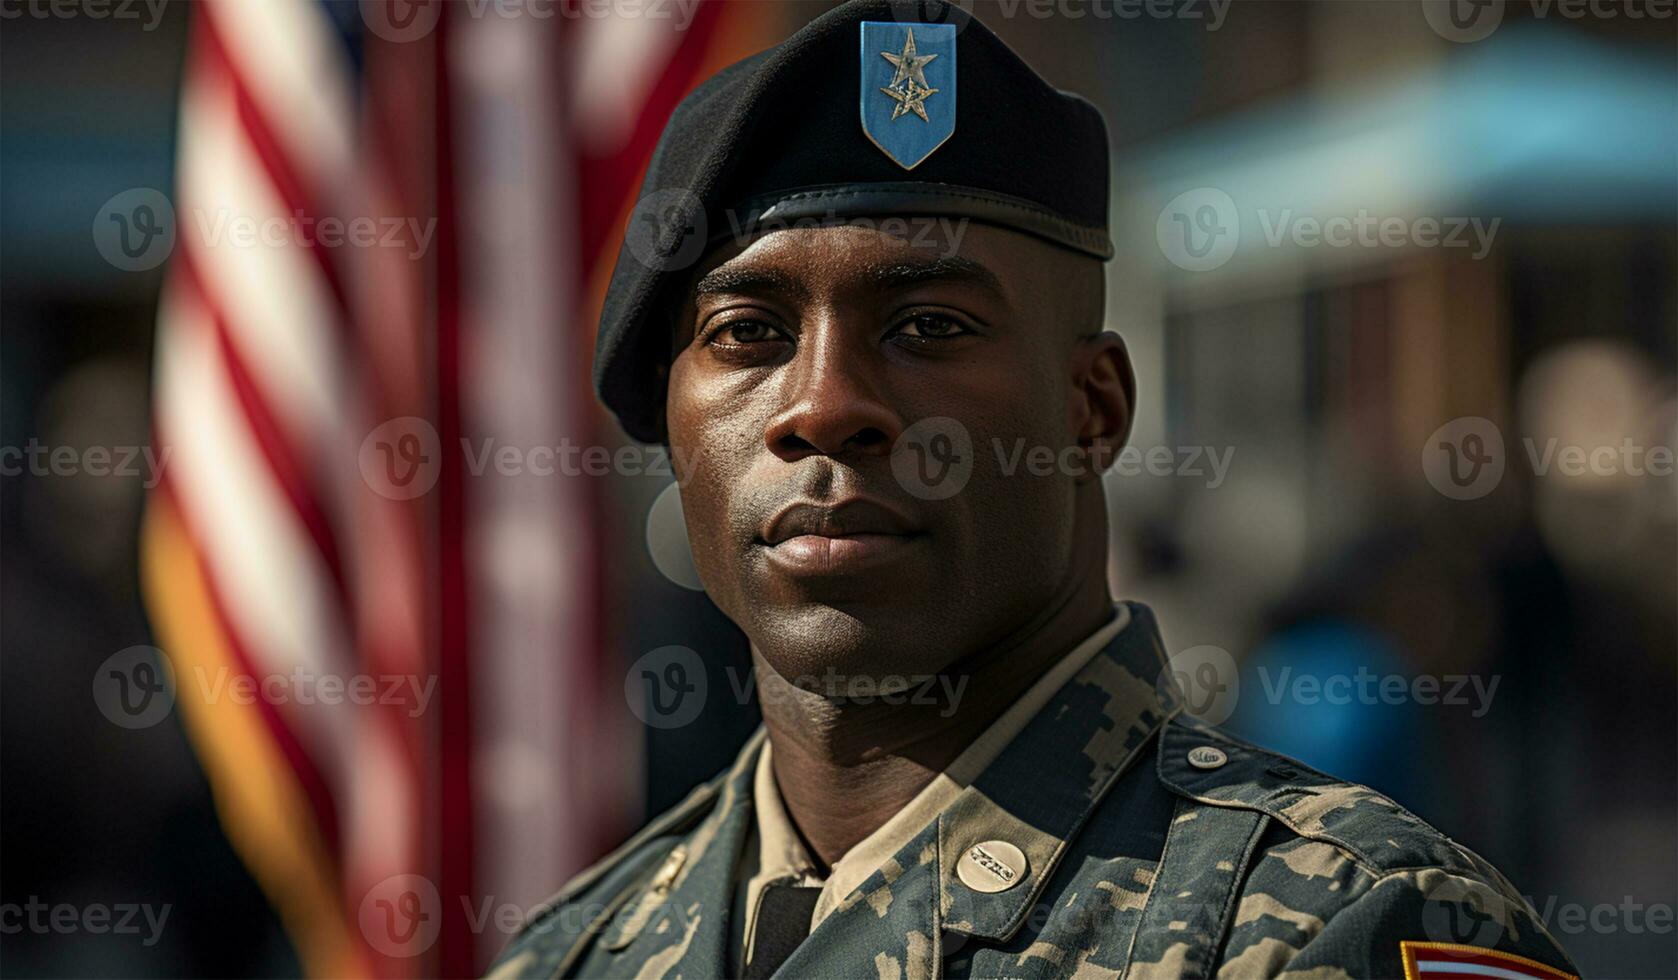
(1354, 239)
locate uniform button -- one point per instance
(1207, 757)
(993, 866)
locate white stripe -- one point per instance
(620, 61)
(281, 317)
(268, 574)
(297, 72)
(271, 578)
(274, 299)
(278, 600)
(1450, 968)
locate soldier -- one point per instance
(867, 274)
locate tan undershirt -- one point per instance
(774, 853)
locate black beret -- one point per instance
(824, 127)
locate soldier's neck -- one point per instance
(844, 769)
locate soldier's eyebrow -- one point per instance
(748, 281)
(953, 268)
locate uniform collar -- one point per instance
(781, 854)
(1035, 794)
(1041, 789)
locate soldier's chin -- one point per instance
(845, 652)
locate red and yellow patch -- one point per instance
(1442, 961)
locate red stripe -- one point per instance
(457, 952)
(217, 59)
(271, 440)
(606, 183)
(302, 764)
(294, 463)
(604, 186)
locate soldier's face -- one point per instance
(864, 420)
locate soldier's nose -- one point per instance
(833, 407)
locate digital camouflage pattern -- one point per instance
(1140, 864)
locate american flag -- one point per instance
(433, 194)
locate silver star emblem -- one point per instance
(908, 86)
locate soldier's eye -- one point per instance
(930, 326)
(742, 332)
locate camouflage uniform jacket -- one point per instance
(1154, 846)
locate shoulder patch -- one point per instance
(1445, 960)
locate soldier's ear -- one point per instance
(1103, 396)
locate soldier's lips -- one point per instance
(838, 537)
(820, 554)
